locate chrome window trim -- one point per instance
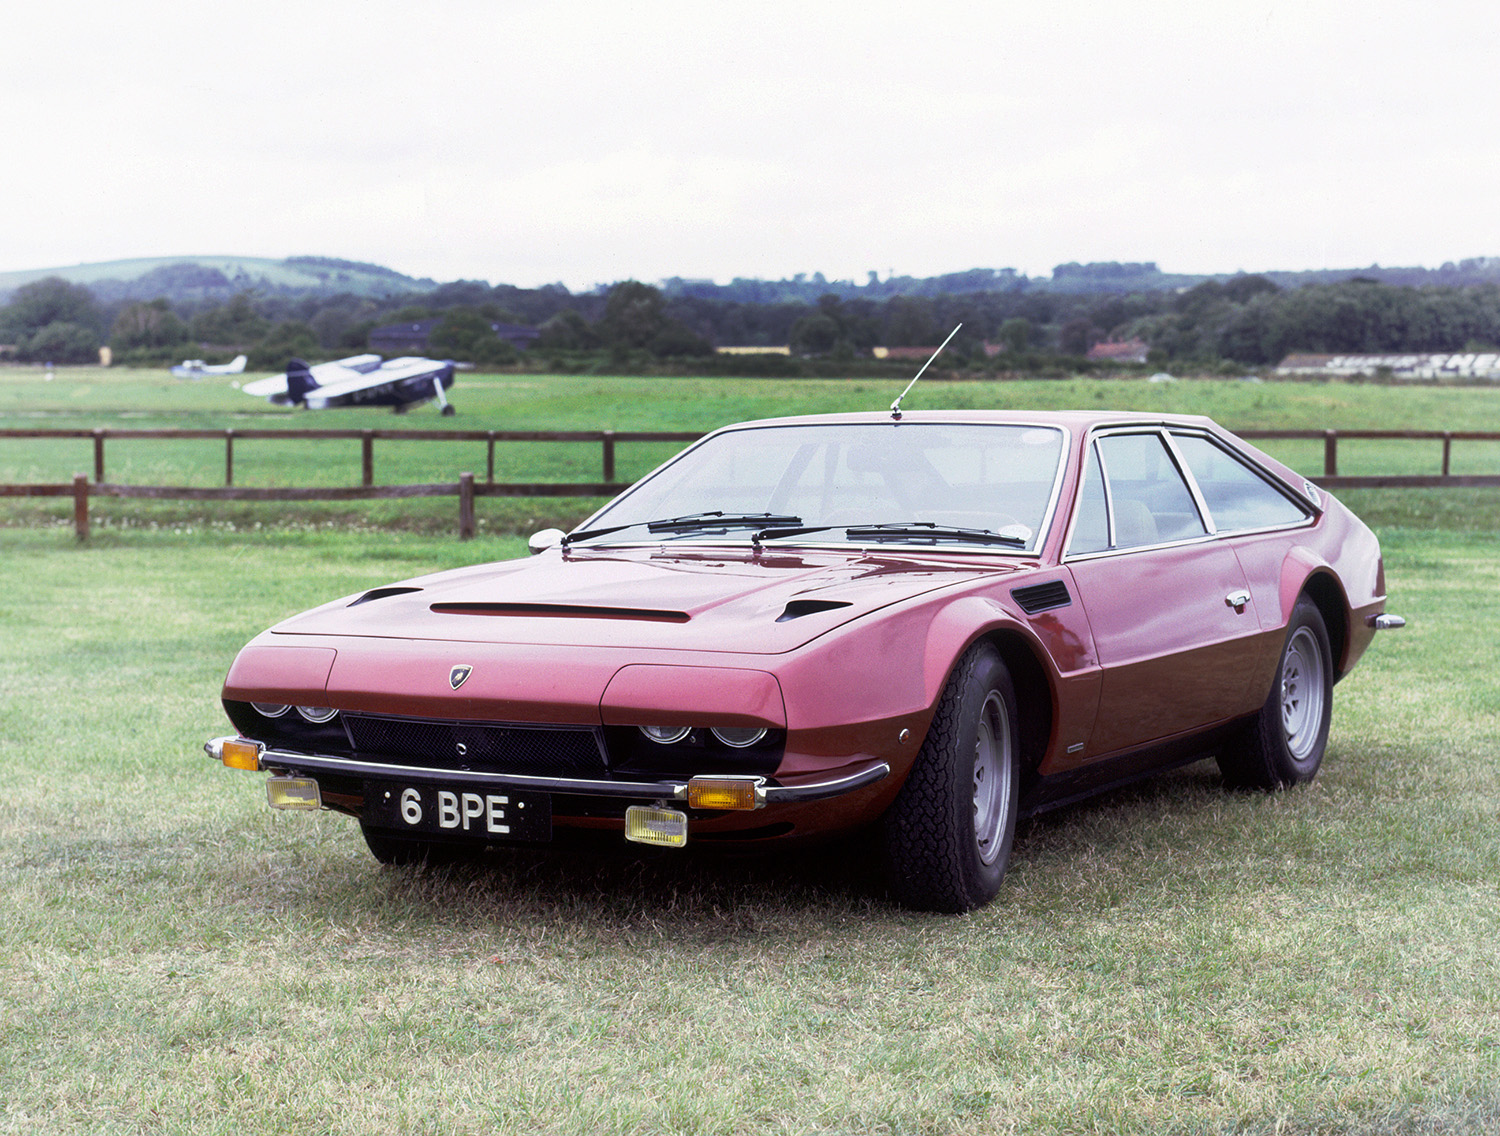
(1206, 517)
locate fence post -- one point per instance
(229, 456)
(1447, 452)
(367, 456)
(490, 468)
(98, 456)
(81, 506)
(609, 457)
(465, 506)
(1330, 453)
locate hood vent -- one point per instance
(561, 611)
(383, 593)
(796, 609)
(1042, 597)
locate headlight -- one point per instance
(739, 737)
(666, 735)
(270, 709)
(317, 713)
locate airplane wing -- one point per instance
(392, 371)
(265, 388)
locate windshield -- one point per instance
(929, 483)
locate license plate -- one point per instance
(478, 813)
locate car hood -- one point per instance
(721, 599)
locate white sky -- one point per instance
(527, 142)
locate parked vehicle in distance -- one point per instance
(931, 624)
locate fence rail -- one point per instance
(467, 488)
(605, 439)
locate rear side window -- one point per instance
(1237, 497)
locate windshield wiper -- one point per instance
(718, 520)
(776, 533)
(906, 530)
(693, 522)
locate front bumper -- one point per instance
(798, 790)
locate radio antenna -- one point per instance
(896, 406)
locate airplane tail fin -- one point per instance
(238, 365)
(299, 381)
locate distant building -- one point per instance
(903, 352)
(754, 350)
(1123, 351)
(1409, 366)
(411, 338)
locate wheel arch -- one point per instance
(958, 628)
(1035, 699)
(1328, 596)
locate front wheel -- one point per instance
(947, 837)
(1284, 743)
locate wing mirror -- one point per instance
(542, 541)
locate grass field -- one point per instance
(177, 958)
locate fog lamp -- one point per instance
(723, 793)
(666, 828)
(293, 793)
(240, 753)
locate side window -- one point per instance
(1237, 497)
(1091, 529)
(1150, 501)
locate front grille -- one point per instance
(546, 751)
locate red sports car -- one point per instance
(932, 623)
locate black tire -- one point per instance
(1284, 743)
(390, 848)
(448, 411)
(947, 837)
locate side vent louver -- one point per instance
(1042, 597)
(796, 609)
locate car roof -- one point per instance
(1076, 420)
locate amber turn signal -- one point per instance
(238, 753)
(723, 793)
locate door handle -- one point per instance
(1238, 600)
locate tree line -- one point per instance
(1241, 321)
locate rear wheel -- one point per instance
(1284, 743)
(948, 834)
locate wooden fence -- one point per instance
(468, 487)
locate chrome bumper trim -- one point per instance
(1386, 622)
(649, 790)
(821, 790)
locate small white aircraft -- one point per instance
(197, 368)
(360, 380)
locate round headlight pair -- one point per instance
(736, 737)
(314, 714)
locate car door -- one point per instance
(1171, 613)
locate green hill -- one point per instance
(219, 277)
